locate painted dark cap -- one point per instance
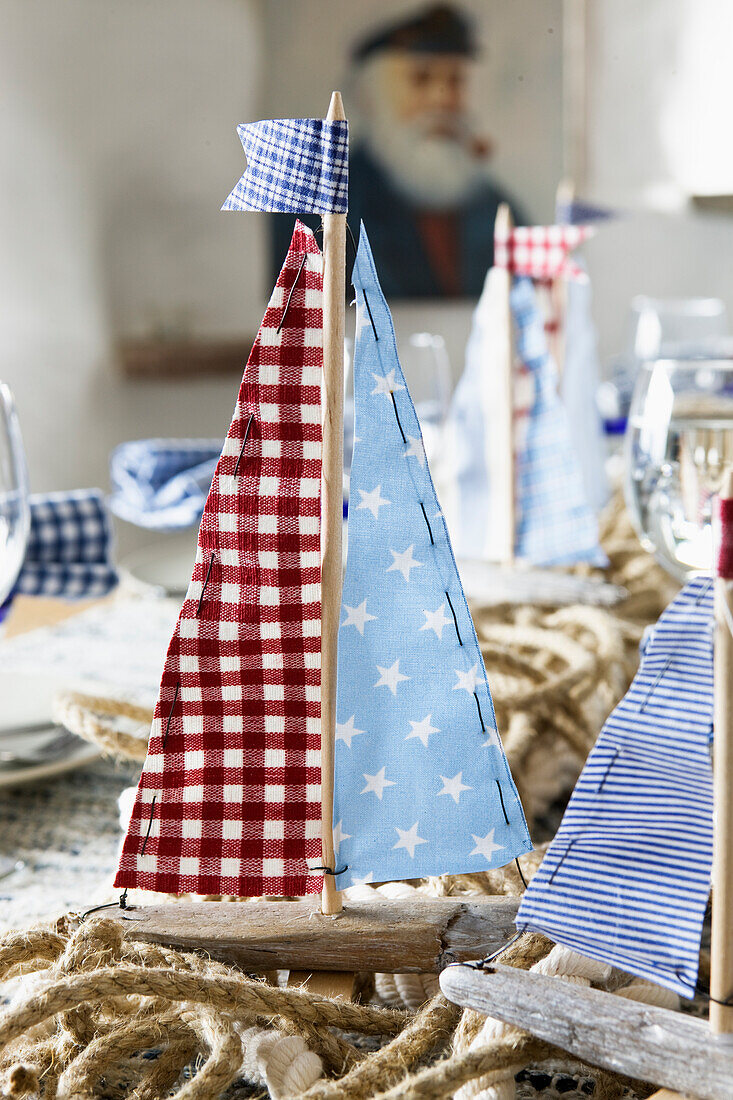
(439, 29)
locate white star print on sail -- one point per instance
(422, 730)
(409, 839)
(485, 845)
(373, 500)
(377, 783)
(390, 677)
(357, 616)
(493, 741)
(346, 731)
(364, 880)
(454, 786)
(416, 449)
(468, 681)
(436, 620)
(362, 321)
(386, 384)
(403, 562)
(339, 835)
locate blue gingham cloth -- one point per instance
(162, 484)
(579, 212)
(555, 525)
(294, 166)
(627, 878)
(422, 785)
(69, 551)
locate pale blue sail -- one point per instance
(422, 785)
(555, 525)
(627, 878)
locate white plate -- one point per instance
(166, 564)
(27, 700)
(78, 757)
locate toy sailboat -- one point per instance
(626, 881)
(514, 487)
(239, 790)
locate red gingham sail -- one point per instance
(541, 251)
(229, 798)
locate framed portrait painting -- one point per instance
(453, 108)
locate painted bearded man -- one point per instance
(417, 174)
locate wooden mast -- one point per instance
(506, 480)
(334, 295)
(721, 944)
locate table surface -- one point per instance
(64, 832)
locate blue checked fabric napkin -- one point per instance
(422, 785)
(627, 878)
(69, 552)
(294, 166)
(162, 484)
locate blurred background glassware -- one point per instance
(658, 328)
(662, 327)
(678, 441)
(14, 506)
(426, 366)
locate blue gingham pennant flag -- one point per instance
(69, 551)
(162, 484)
(294, 166)
(626, 880)
(422, 785)
(555, 525)
(580, 212)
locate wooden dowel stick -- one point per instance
(721, 944)
(334, 293)
(505, 500)
(559, 288)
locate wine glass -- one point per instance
(14, 507)
(678, 443)
(427, 370)
(671, 326)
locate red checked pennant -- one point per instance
(541, 251)
(229, 801)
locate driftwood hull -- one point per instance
(647, 1043)
(419, 936)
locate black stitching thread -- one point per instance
(478, 706)
(170, 712)
(244, 443)
(399, 422)
(206, 581)
(290, 295)
(562, 859)
(369, 311)
(427, 521)
(455, 620)
(150, 824)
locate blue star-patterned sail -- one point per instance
(422, 783)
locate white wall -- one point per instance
(648, 95)
(117, 126)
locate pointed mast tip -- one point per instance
(336, 108)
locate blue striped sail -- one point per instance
(422, 785)
(626, 879)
